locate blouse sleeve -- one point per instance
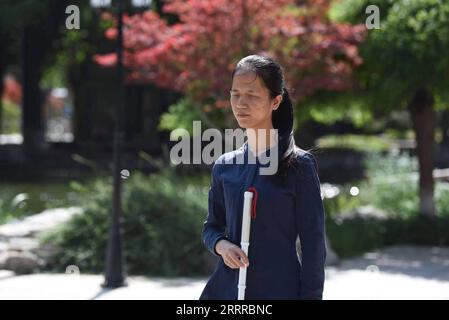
(215, 225)
(311, 229)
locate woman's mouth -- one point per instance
(242, 115)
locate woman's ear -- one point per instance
(276, 102)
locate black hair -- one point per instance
(272, 75)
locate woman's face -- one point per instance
(251, 102)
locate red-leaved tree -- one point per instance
(196, 55)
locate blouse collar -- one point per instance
(285, 143)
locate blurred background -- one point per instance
(91, 206)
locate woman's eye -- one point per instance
(235, 95)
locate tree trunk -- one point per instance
(423, 119)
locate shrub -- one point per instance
(12, 206)
(392, 187)
(356, 235)
(162, 221)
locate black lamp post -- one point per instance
(114, 276)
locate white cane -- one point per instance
(246, 224)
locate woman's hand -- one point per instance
(232, 255)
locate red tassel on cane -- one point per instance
(254, 202)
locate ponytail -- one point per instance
(282, 117)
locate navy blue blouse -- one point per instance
(286, 207)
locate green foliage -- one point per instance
(354, 10)
(19, 200)
(185, 111)
(406, 53)
(11, 118)
(12, 206)
(392, 186)
(330, 107)
(354, 236)
(163, 216)
(343, 201)
(442, 199)
(75, 48)
(417, 230)
(368, 143)
(180, 115)
(53, 77)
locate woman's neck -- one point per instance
(261, 139)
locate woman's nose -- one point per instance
(242, 103)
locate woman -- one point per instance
(287, 203)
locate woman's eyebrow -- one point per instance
(235, 90)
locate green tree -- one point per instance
(406, 66)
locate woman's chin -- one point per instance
(244, 123)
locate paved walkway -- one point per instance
(400, 272)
